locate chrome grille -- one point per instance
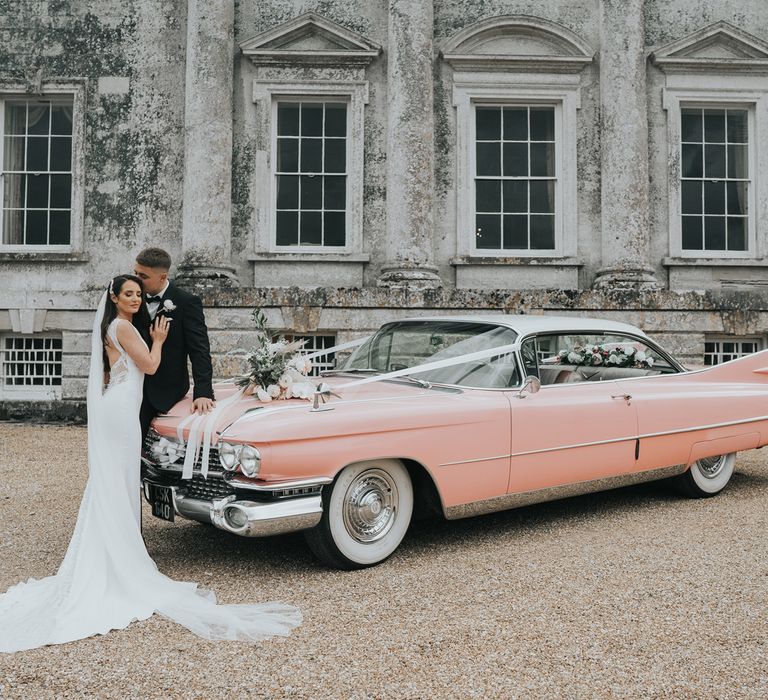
(152, 437)
(206, 489)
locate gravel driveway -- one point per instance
(628, 594)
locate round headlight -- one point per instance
(228, 455)
(250, 460)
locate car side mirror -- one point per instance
(531, 385)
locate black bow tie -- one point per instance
(152, 299)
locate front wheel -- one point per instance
(366, 513)
(707, 477)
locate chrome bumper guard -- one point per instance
(247, 518)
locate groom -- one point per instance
(187, 338)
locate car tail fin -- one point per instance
(742, 369)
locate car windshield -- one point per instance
(409, 343)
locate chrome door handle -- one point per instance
(626, 397)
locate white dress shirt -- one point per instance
(154, 306)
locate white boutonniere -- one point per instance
(168, 305)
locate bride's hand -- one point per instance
(159, 329)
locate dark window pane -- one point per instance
(737, 126)
(335, 155)
(59, 228)
(515, 195)
(287, 119)
(692, 165)
(488, 231)
(37, 154)
(691, 125)
(737, 197)
(311, 155)
(714, 125)
(515, 159)
(515, 124)
(737, 161)
(692, 239)
(488, 159)
(61, 120)
(15, 118)
(287, 228)
(335, 192)
(311, 192)
(543, 159)
(13, 227)
(287, 155)
(542, 232)
(691, 196)
(488, 195)
(37, 191)
(714, 198)
(311, 119)
(714, 161)
(61, 191)
(61, 154)
(334, 222)
(38, 119)
(542, 124)
(515, 232)
(737, 234)
(714, 232)
(13, 158)
(287, 192)
(488, 123)
(37, 228)
(335, 119)
(311, 228)
(14, 191)
(543, 196)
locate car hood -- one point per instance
(379, 406)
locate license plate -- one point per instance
(161, 498)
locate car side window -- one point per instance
(530, 359)
(572, 357)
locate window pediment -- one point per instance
(719, 47)
(310, 39)
(517, 42)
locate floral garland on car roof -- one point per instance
(600, 355)
(277, 370)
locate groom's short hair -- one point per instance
(154, 257)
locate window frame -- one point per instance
(55, 91)
(266, 94)
(711, 94)
(564, 96)
(758, 340)
(49, 392)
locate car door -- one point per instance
(579, 430)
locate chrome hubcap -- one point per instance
(370, 505)
(710, 467)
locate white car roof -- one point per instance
(524, 324)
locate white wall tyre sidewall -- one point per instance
(713, 485)
(370, 553)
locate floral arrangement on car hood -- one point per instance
(277, 370)
(600, 355)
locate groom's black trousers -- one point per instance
(146, 414)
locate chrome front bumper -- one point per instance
(243, 517)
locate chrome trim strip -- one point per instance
(525, 498)
(470, 461)
(706, 427)
(239, 482)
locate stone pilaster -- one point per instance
(207, 209)
(624, 148)
(410, 147)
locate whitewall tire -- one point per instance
(708, 476)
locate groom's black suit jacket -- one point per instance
(187, 338)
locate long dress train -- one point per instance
(107, 579)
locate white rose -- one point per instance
(649, 361)
(597, 358)
(262, 395)
(640, 356)
(629, 350)
(168, 305)
(285, 380)
(273, 390)
(574, 358)
(303, 391)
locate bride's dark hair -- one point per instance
(141, 319)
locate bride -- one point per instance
(107, 578)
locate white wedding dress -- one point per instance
(107, 578)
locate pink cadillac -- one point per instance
(501, 412)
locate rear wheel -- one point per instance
(366, 513)
(707, 477)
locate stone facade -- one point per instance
(344, 162)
